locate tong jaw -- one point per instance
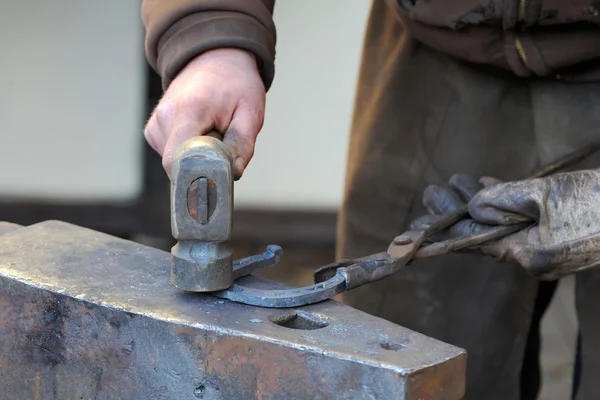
(330, 280)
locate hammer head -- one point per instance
(202, 191)
(201, 215)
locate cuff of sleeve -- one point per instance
(196, 34)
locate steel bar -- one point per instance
(84, 315)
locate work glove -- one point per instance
(220, 90)
(563, 209)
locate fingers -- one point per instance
(508, 203)
(464, 228)
(241, 130)
(441, 199)
(182, 130)
(460, 190)
(465, 185)
(241, 135)
(220, 90)
(180, 115)
(460, 229)
(151, 133)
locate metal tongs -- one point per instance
(346, 275)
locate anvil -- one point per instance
(85, 315)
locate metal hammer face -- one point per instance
(201, 216)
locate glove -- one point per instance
(442, 199)
(564, 209)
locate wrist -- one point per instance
(231, 55)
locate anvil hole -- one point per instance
(391, 346)
(199, 391)
(300, 320)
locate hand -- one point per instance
(442, 199)
(219, 90)
(564, 209)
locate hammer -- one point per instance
(201, 215)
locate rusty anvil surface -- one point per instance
(84, 315)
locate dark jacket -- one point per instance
(545, 38)
(179, 30)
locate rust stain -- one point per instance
(438, 382)
(270, 368)
(101, 346)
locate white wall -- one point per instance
(300, 156)
(71, 108)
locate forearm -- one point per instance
(178, 31)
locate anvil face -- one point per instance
(86, 315)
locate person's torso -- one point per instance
(557, 38)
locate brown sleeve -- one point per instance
(179, 30)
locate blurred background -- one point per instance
(76, 95)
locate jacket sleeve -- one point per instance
(179, 30)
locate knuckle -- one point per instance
(163, 114)
(431, 195)
(457, 177)
(149, 130)
(203, 111)
(198, 99)
(184, 103)
(167, 163)
(462, 181)
(152, 134)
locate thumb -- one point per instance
(241, 135)
(179, 134)
(508, 203)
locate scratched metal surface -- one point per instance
(84, 315)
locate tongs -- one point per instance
(346, 275)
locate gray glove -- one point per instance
(564, 210)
